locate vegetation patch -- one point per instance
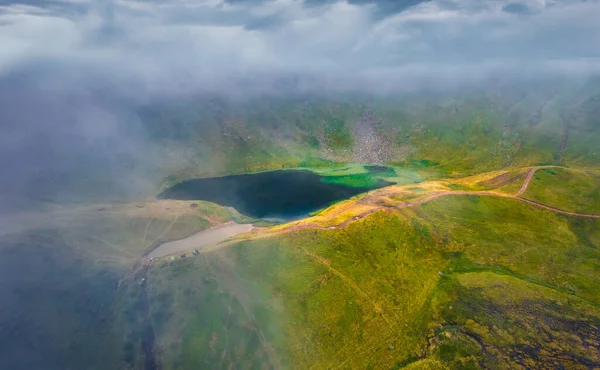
(570, 190)
(498, 321)
(458, 282)
(356, 181)
(509, 182)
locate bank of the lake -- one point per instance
(284, 195)
(201, 239)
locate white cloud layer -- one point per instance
(74, 72)
(184, 44)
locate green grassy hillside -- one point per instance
(381, 280)
(571, 190)
(460, 282)
(439, 135)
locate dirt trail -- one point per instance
(215, 234)
(558, 210)
(516, 196)
(401, 205)
(163, 233)
(227, 277)
(350, 283)
(526, 182)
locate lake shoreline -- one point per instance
(203, 238)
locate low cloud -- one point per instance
(186, 45)
(71, 70)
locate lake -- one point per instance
(278, 195)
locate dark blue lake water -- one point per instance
(281, 195)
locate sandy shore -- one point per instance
(203, 238)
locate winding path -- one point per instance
(401, 205)
(188, 244)
(446, 193)
(527, 181)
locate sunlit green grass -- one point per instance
(394, 289)
(498, 321)
(571, 190)
(527, 240)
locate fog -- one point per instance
(79, 77)
(72, 72)
(173, 45)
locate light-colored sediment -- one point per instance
(201, 239)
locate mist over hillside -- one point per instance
(114, 77)
(81, 143)
(81, 98)
(464, 133)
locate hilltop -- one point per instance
(441, 135)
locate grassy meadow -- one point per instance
(459, 282)
(569, 189)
